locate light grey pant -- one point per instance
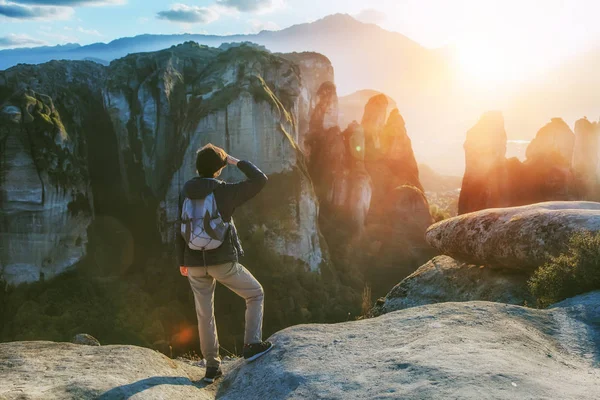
(237, 278)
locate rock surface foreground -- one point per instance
(48, 370)
(473, 350)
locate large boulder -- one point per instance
(515, 237)
(49, 370)
(444, 279)
(485, 179)
(472, 350)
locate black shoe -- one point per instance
(253, 351)
(212, 374)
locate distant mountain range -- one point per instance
(437, 108)
(356, 50)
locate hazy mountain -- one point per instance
(364, 55)
(437, 107)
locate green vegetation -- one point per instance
(47, 137)
(575, 271)
(438, 214)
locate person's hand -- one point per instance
(183, 270)
(232, 160)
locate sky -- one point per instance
(484, 34)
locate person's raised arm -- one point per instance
(241, 192)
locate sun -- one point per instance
(486, 65)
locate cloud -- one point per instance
(91, 32)
(251, 5)
(185, 14)
(58, 37)
(13, 40)
(17, 11)
(258, 26)
(68, 3)
(371, 15)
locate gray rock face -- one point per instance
(443, 279)
(251, 121)
(315, 69)
(336, 162)
(472, 350)
(45, 197)
(148, 113)
(515, 237)
(48, 370)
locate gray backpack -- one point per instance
(202, 226)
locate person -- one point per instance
(204, 268)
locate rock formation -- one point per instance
(408, 207)
(315, 70)
(555, 140)
(546, 173)
(373, 121)
(485, 179)
(337, 162)
(128, 133)
(491, 180)
(517, 237)
(393, 164)
(45, 196)
(585, 158)
(468, 350)
(352, 106)
(444, 279)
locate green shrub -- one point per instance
(438, 213)
(573, 272)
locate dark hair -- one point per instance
(210, 160)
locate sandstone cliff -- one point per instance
(585, 158)
(46, 198)
(315, 70)
(485, 180)
(548, 173)
(128, 133)
(352, 106)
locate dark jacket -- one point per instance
(228, 196)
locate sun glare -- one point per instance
(486, 65)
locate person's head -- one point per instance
(210, 161)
